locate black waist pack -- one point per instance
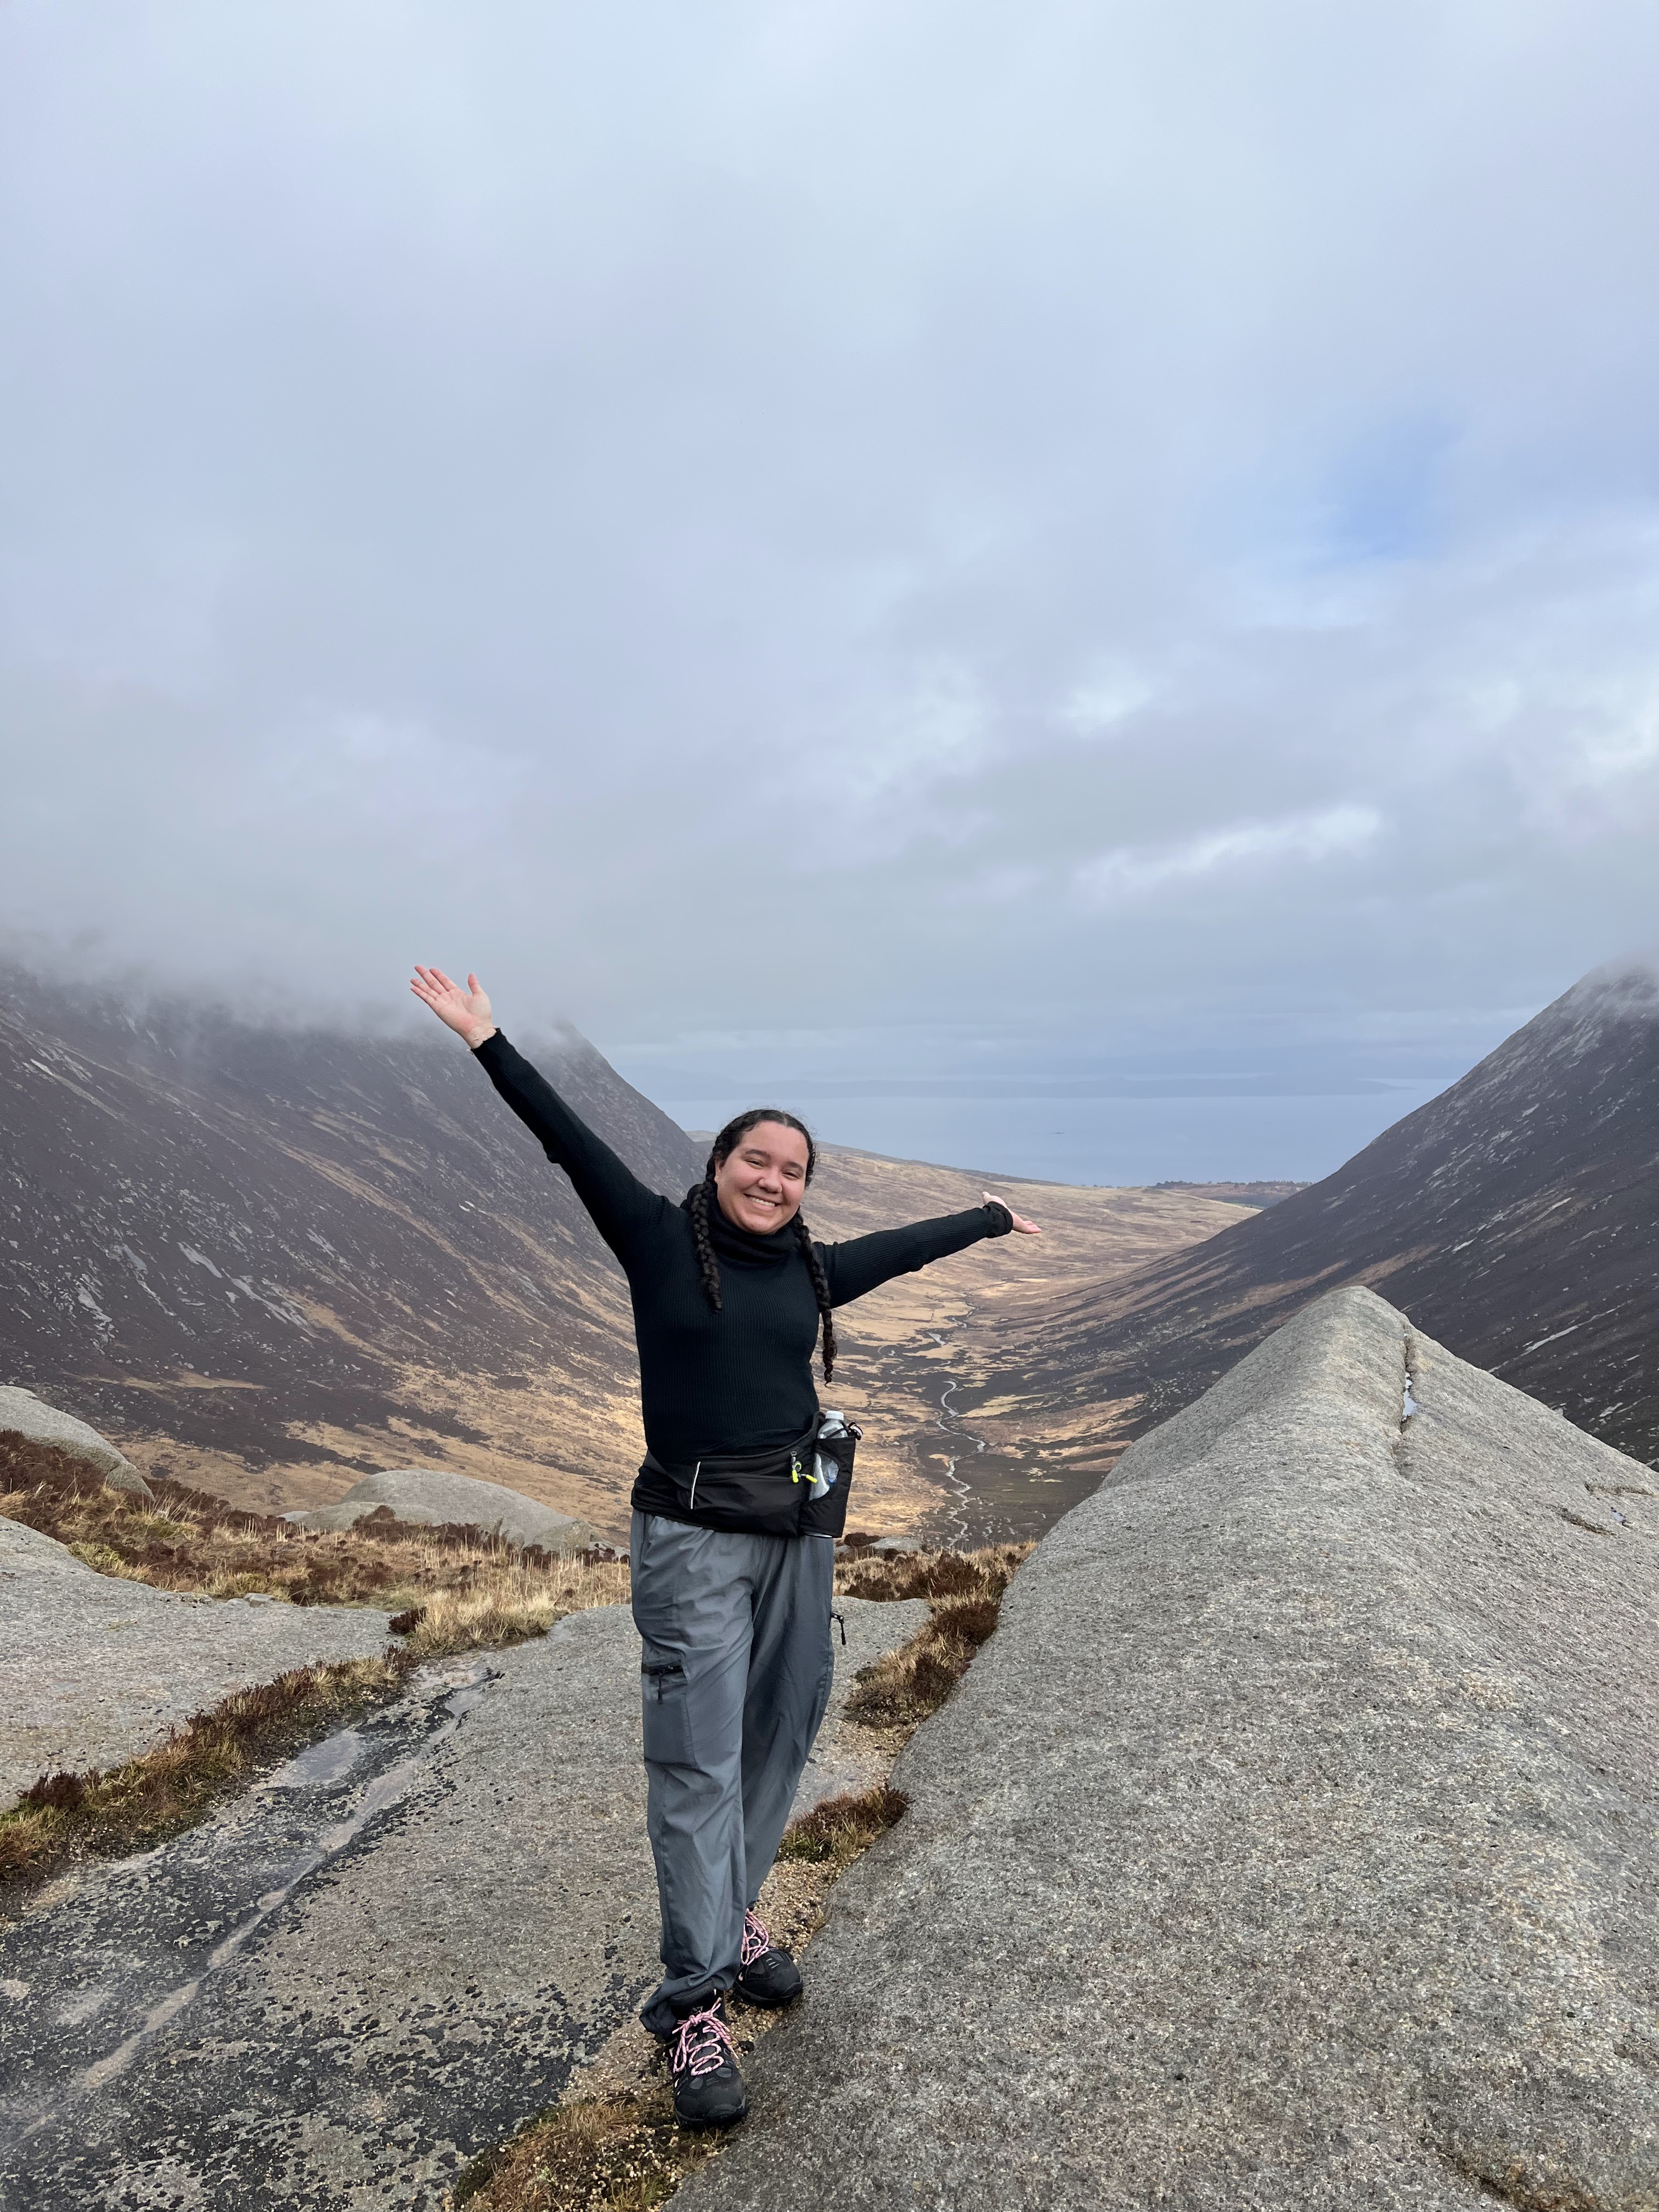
(800, 1490)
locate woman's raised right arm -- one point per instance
(620, 1204)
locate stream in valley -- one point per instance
(996, 1493)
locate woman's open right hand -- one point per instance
(465, 1012)
(1022, 1226)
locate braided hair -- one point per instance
(703, 1196)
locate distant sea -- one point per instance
(1103, 1141)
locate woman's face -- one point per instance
(760, 1181)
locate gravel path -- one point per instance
(96, 1670)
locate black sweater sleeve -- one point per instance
(622, 1206)
(859, 1266)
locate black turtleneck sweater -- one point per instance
(741, 1379)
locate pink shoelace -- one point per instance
(755, 1941)
(701, 2044)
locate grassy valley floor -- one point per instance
(942, 1369)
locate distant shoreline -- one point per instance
(1260, 1195)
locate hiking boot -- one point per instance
(709, 2090)
(766, 1975)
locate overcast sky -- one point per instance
(1074, 583)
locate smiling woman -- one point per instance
(743, 1491)
(758, 1167)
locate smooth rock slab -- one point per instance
(95, 1670)
(432, 1496)
(1292, 1847)
(376, 1964)
(26, 1415)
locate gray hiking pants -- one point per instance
(735, 1674)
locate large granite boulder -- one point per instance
(26, 1415)
(432, 1496)
(1294, 1844)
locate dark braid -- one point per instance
(702, 1197)
(820, 1291)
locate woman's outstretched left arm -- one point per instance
(864, 1263)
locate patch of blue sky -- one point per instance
(1383, 499)
(1305, 530)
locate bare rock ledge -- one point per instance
(382, 1959)
(1292, 1844)
(26, 1415)
(434, 1496)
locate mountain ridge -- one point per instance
(269, 1261)
(195, 1209)
(1514, 1216)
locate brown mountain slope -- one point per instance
(1515, 1218)
(271, 1260)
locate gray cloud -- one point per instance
(1083, 541)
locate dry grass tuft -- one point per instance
(187, 1539)
(931, 1575)
(842, 1829)
(965, 1589)
(137, 1804)
(508, 1606)
(620, 2153)
(472, 1594)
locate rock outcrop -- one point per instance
(26, 1415)
(98, 1669)
(433, 1496)
(1293, 1845)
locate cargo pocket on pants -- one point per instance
(668, 1714)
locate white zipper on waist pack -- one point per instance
(695, 1472)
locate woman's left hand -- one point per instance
(1025, 1228)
